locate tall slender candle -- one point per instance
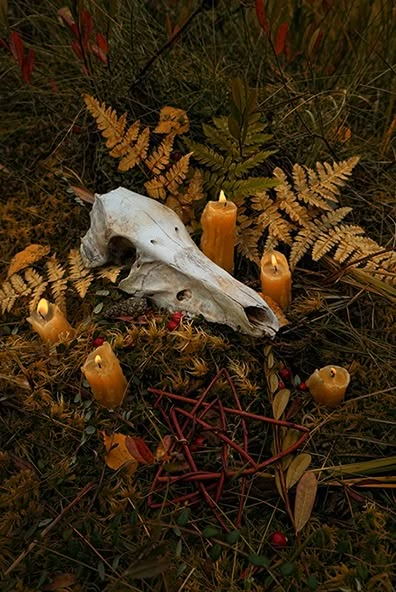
(105, 376)
(328, 385)
(50, 323)
(218, 232)
(275, 278)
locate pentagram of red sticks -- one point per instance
(183, 424)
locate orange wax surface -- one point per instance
(275, 278)
(104, 374)
(328, 385)
(218, 223)
(50, 323)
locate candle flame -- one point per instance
(274, 262)
(42, 307)
(333, 372)
(98, 360)
(222, 196)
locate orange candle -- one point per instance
(218, 223)
(328, 385)
(106, 379)
(275, 278)
(50, 323)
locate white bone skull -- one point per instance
(169, 268)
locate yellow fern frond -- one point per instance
(110, 273)
(57, 281)
(38, 286)
(107, 120)
(159, 159)
(137, 152)
(155, 188)
(287, 200)
(195, 189)
(172, 121)
(247, 243)
(301, 243)
(8, 296)
(20, 286)
(177, 173)
(346, 241)
(80, 276)
(125, 144)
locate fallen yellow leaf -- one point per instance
(118, 454)
(27, 257)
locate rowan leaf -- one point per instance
(118, 454)
(139, 450)
(297, 468)
(305, 499)
(280, 402)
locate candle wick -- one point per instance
(332, 372)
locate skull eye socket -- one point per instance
(184, 295)
(121, 251)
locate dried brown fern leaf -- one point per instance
(158, 187)
(172, 121)
(126, 143)
(195, 190)
(110, 273)
(57, 281)
(80, 276)
(159, 159)
(247, 240)
(107, 120)
(287, 200)
(137, 152)
(31, 254)
(38, 285)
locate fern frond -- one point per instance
(126, 143)
(207, 156)
(287, 200)
(195, 189)
(21, 288)
(107, 120)
(177, 173)
(155, 188)
(80, 276)
(38, 286)
(136, 153)
(346, 242)
(222, 140)
(249, 186)
(245, 166)
(301, 243)
(246, 242)
(57, 281)
(159, 159)
(110, 273)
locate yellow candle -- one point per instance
(50, 323)
(275, 278)
(328, 385)
(106, 379)
(218, 223)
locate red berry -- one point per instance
(278, 539)
(303, 386)
(281, 384)
(172, 325)
(285, 373)
(98, 341)
(177, 317)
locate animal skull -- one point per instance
(168, 267)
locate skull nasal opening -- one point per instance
(256, 316)
(121, 251)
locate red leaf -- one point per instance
(262, 17)
(76, 47)
(100, 54)
(86, 25)
(139, 450)
(281, 37)
(16, 47)
(28, 65)
(102, 42)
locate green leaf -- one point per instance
(215, 552)
(305, 499)
(312, 582)
(297, 468)
(258, 560)
(183, 517)
(287, 569)
(280, 402)
(232, 537)
(210, 532)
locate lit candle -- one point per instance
(328, 385)
(50, 323)
(218, 223)
(275, 278)
(106, 379)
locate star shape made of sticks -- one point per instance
(183, 424)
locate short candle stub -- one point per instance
(42, 308)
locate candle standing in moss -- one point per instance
(328, 385)
(50, 323)
(275, 276)
(105, 376)
(218, 223)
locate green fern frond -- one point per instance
(207, 156)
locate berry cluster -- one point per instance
(175, 321)
(287, 377)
